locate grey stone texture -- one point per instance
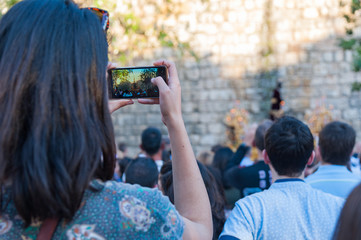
(245, 47)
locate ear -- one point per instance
(310, 160)
(141, 147)
(162, 146)
(265, 157)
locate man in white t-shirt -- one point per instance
(290, 208)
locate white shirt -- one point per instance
(289, 209)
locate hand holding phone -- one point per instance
(170, 95)
(115, 104)
(135, 82)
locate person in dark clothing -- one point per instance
(276, 103)
(255, 178)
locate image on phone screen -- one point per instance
(135, 82)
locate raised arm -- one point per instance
(190, 195)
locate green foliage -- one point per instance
(131, 24)
(122, 75)
(349, 31)
(134, 32)
(145, 79)
(356, 87)
(355, 6)
(121, 80)
(347, 44)
(10, 3)
(356, 63)
(4, 5)
(352, 43)
(348, 18)
(125, 85)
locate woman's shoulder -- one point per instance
(131, 210)
(112, 191)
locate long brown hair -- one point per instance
(56, 130)
(214, 194)
(348, 226)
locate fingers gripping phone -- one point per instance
(135, 82)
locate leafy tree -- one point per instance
(5, 5)
(124, 85)
(121, 75)
(352, 42)
(121, 78)
(134, 33)
(145, 79)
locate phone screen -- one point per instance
(135, 82)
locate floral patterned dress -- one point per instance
(116, 211)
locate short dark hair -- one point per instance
(123, 164)
(260, 133)
(289, 144)
(151, 140)
(336, 141)
(142, 171)
(122, 146)
(56, 130)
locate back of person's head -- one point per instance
(166, 181)
(289, 145)
(205, 157)
(123, 164)
(349, 222)
(215, 196)
(260, 134)
(216, 147)
(221, 157)
(122, 147)
(336, 142)
(56, 130)
(142, 171)
(151, 140)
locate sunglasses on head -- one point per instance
(102, 15)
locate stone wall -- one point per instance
(245, 47)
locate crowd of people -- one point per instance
(60, 178)
(303, 205)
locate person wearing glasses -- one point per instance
(57, 149)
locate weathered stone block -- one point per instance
(328, 56)
(310, 13)
(192, 118)
(193, 74)
(208, 140)
(350, 114)
(216, 128)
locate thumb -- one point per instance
(160, 83)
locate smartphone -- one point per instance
(135, 82)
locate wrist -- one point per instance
(174, 122)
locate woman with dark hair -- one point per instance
(348, 226)
(215, 196)
(220, 160)
(221, 157)
(57, 149)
